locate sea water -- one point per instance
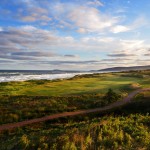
(23, 75)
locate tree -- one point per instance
(111, 96)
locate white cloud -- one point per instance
(28, 18)
(137, 23)
(82, 18)
(31, 11)
(81, 30)
(140, 21)
(98, 39)
(132, 44)
(28, 28)
(1, 29)
(90, 19)
(35, 17)
(28, 43)
(120, 28)
(95, 3)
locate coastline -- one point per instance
(19, 76)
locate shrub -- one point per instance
(111, 96)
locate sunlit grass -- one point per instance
(79, 85)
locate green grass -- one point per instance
(36, 98)
(79, 85)
(127, 127)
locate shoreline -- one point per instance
(16, 76)
(51, 77)
(24, 77)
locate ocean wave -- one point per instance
(23, 77)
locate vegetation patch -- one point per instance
(78, 85)
(134, 86)
(127, 127)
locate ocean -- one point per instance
(23, 75)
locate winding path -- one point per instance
(66, 114)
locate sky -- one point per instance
(74, 34)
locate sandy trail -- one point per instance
(66, 114)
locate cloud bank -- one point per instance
(88, 34)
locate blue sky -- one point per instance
(74, 34)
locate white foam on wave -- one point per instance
(23, 77)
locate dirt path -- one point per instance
(65, 114)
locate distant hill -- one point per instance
(126, 68)
(63, 71)
(55, 71)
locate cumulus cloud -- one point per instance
(27, 11)
(83, 18)
(29, 42)
(75, 34)
(28, 36)
(95, 3)
(120, 28)
(80, 16)
(90, 19)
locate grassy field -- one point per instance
(33, 99)
(97, 83)
(124, 128)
